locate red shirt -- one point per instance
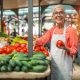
(71, 38)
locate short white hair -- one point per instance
(58, 6)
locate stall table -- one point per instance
(25, 76)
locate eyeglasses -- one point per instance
(58, 13)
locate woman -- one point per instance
(61, 57)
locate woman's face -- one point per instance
(58, 15)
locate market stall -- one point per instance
(18, 59)
(15, 63)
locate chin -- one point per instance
(59, 22)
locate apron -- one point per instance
(61, 64)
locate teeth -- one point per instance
(59, 18)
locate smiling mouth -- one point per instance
(59, 18)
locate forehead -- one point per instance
(58, 9)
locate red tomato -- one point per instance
(59, 43)
(42, 48)
(8, 50)
(1, 50)
(18, 49)
(25, 50)
(46, 52)
(22, 51)
(36, 50)
(23, 45)
(3, 53)
(13, 48)
(17, 44)
(4, 49)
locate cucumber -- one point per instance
(18, 63)
(17, 68)
(39, 68)
(9, 68)
(38, 62)
(24, 68)
(3, 68)
(33, 62)
(12, 63)
(2, 62)
(25, 63)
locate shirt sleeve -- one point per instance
(45, 38)
(73, 37)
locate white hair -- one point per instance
(58, 6)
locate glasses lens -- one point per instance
(58, 13)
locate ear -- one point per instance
(53, 17)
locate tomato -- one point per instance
(23, 45)
(46, 52)
(5, 49)
(36, 50)
(22, 51)
(18, 49)
(17, 45)
(8, 50)
(59, 43)
(42, 48)
(13, 48)
(1, 50)
(25, 50)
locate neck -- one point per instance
(60, 25)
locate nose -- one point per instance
(59, 14)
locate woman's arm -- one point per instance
(72, 42)
(45, 38)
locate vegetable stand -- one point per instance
(18, 65)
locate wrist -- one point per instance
(67, 49)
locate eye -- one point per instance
(58, 13)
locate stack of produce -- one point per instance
(18, 40)
(17, 47)
(39, 48)
(19, 62)
(22, 48)
(38, 62)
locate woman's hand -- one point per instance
(64, 47)
(61, 47)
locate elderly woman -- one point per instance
(61, 57)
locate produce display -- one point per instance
(19, 40)
(14, 57)
(39, 48)
(18, 61)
